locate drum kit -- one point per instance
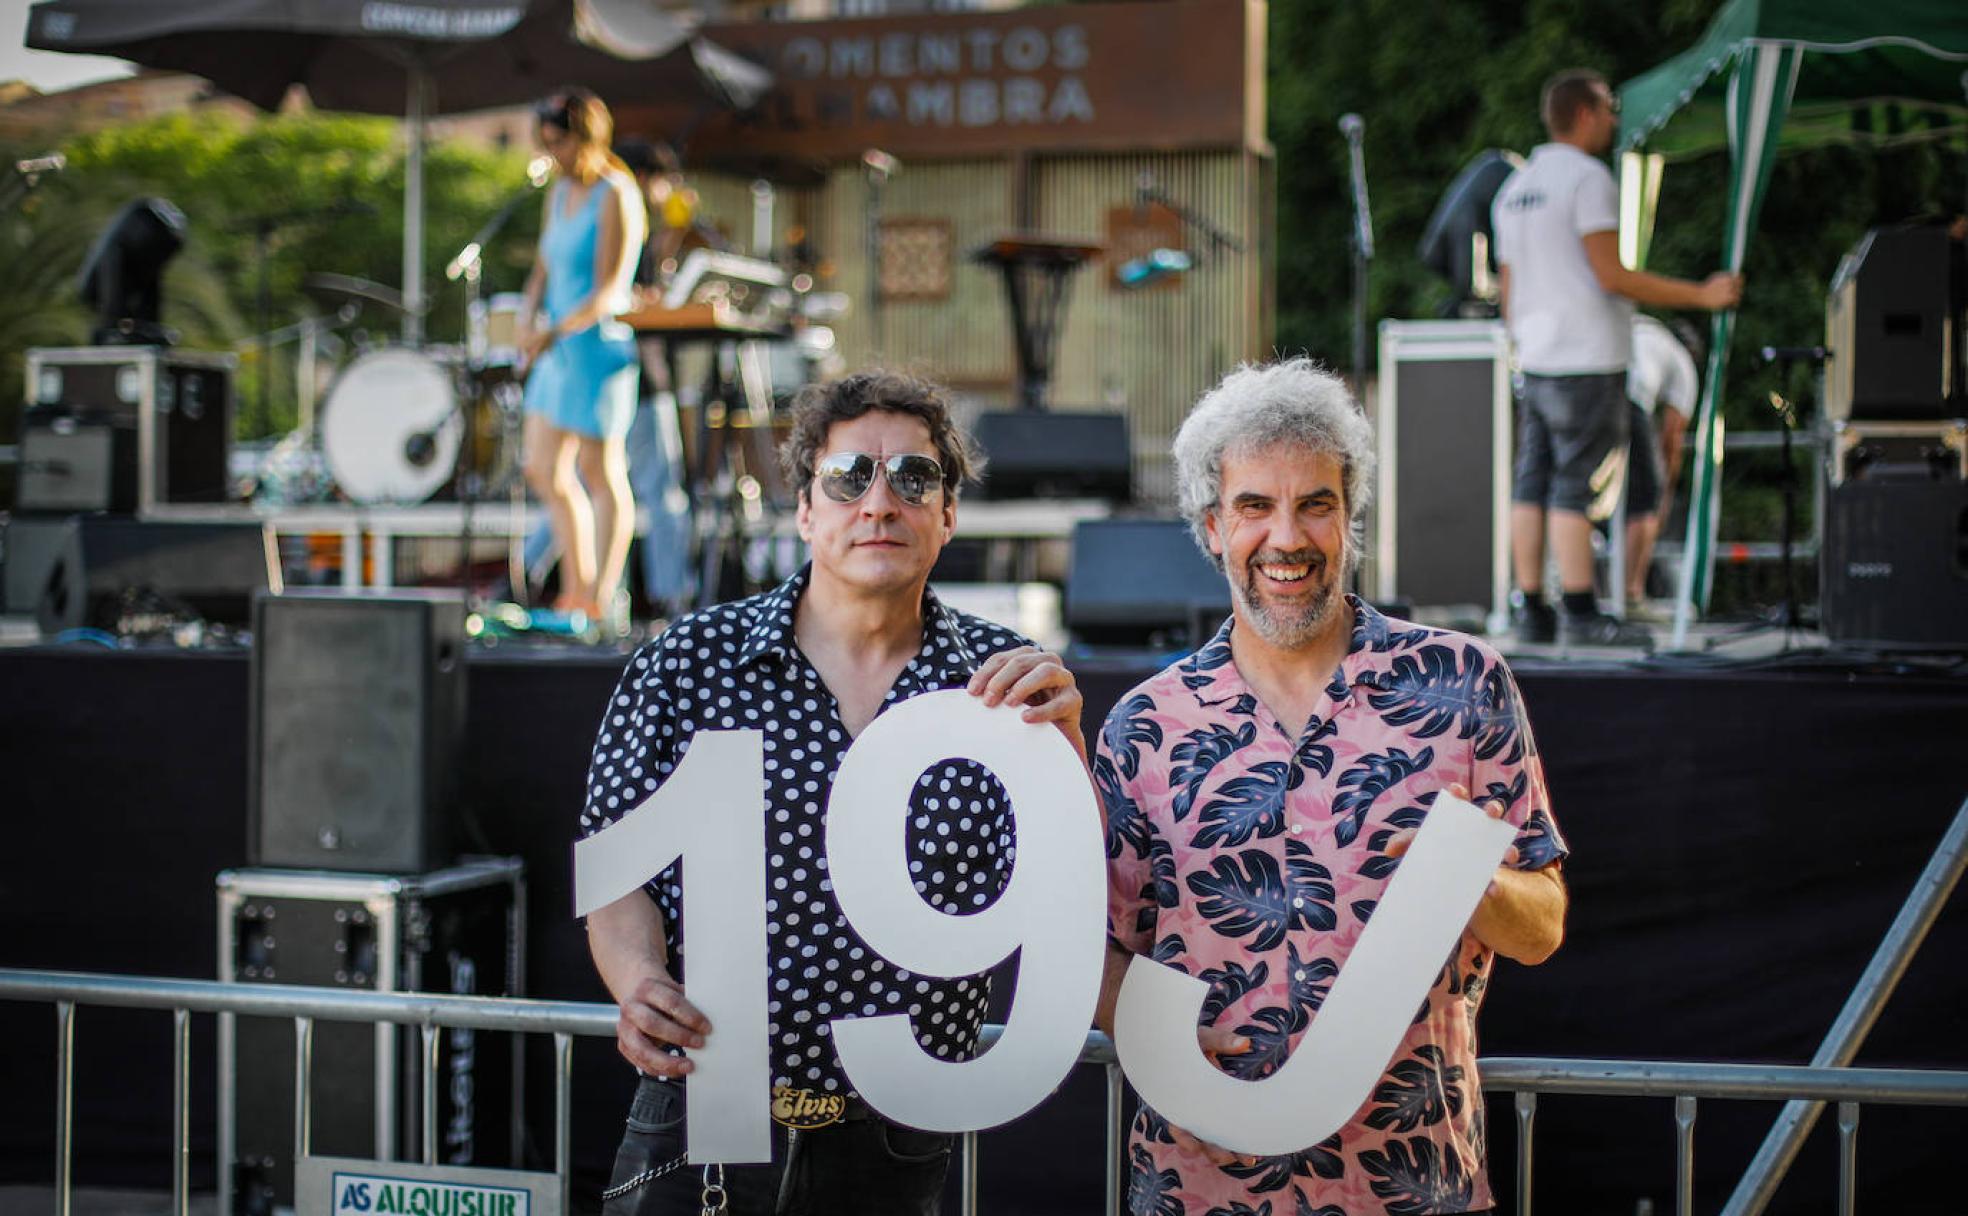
(403, 425)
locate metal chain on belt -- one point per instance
(644, 1178)
(713, 1196)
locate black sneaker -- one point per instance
(1603, 629)
(1535, 622)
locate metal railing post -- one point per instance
(564, 1117)
(1848, 1158)
(967, 1174)
(1116, 1142)
(303, 1087)
(1527, 1105)
(180, 1112)
(64, 1104)
(1930, 893)
(1684, 1155)
(430, 1093)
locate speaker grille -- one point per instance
(357, 718)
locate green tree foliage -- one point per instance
(328, 189)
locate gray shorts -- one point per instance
(1567, 427)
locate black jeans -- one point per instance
(863, 1166)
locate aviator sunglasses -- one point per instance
(846, 476)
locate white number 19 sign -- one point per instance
(711, 812)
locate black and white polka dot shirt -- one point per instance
(736, 666)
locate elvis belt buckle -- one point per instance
(806, 1109)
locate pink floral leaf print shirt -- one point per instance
(1252, 860)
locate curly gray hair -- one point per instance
(1257, 406)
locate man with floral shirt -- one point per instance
(1258, 797)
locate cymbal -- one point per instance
(335, 290)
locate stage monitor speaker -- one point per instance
(119, 574)
(457, 932)
(1441, 519)
(1142, 582)
(1045, 454)
(1893, 322)
(1895, 564)
(358, 723)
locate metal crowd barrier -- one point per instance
(1525, 1077)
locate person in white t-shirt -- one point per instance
(1568, 303)
(1662, 384)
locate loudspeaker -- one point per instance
(67, 465)
(1895, 562)
(1040, 454)
(178, 402)
(1442, 503)
(120, 574)
(358, 724)
(32, 547)
(1893, 323)
(458, 931)
(1142, 582)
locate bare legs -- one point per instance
(604, 467)
(550, 470)
(1571, 543)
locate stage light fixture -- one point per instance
(123, 276)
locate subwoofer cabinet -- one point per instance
(357, 729)
(1894, 570)
(459, 931)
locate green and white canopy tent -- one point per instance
(1770, 76)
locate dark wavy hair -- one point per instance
(819, 406)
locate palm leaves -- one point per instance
(1429, 691)
(1242, 1209)
(1127, 728)
(1248, 805)
(1152, 1192)
(1247, 895)
(1366, 781)
(1229, 984)
(1415, 1177)
(1417, 1092)
(1311, 979)
(1200, 751)
(1126, 826)
(1269, 1031)
(1273, 1173)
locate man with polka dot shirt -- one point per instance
(878, 461)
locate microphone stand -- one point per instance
(1785, 357)
(468, 265)
(1354, 129)
(1147, 191)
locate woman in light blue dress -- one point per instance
(581, 382)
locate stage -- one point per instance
(1742, 834)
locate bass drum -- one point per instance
(390, 428)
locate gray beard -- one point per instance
(1297, 627)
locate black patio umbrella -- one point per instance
(410, 57)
